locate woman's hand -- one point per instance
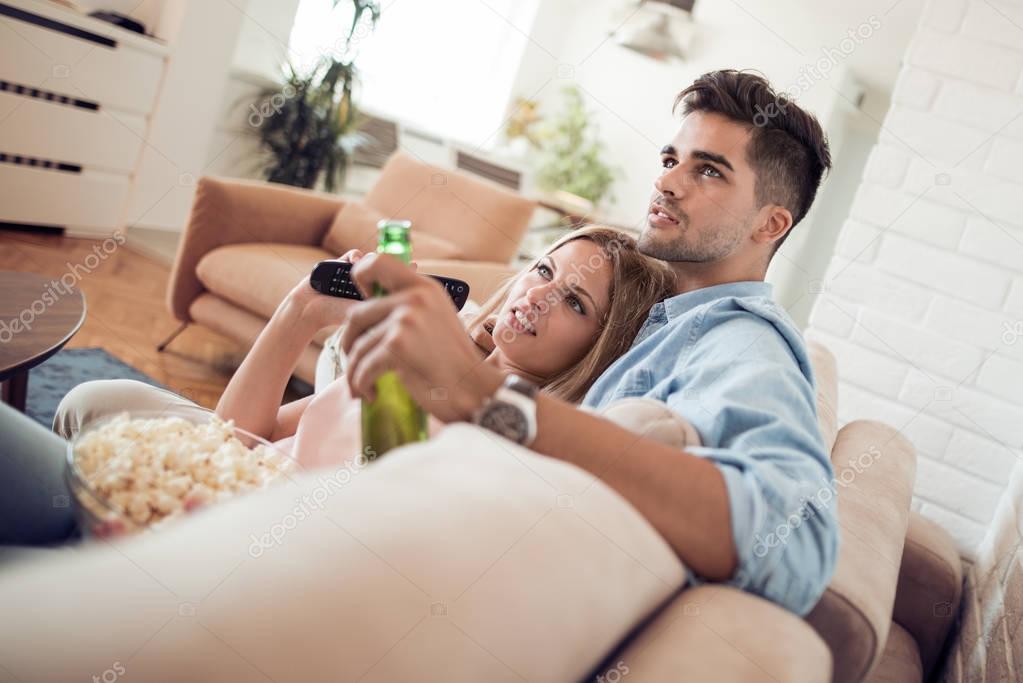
(321, 310)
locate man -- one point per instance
(747, 506)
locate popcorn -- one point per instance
(155, 469)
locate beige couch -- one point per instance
(247, 243)
(468, 558)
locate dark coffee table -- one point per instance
(38, 316)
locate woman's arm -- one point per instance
(253, 396)
(288, 416)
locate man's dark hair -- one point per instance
(788, 149)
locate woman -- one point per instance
(559, 323)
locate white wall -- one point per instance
(261, 51)
(631, 97)
(201, 39)
(923, 300)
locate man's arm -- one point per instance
(682, 495)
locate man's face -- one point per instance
(704, 205)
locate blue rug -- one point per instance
(50, 381)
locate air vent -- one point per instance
(489, 170)
(47, 95)
(29, 17)
(19, 160)
(382, 142)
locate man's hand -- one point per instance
(414, 331)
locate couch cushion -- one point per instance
(718, 633)
(654, 420)
(486, 221)
(874, 471)
(257, 277)
(355, 227)
(900, 662)
(236, 323)
(825, 371)
(465, 558)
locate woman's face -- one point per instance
(552, 314)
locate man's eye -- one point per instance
(668, 162)
(709, 171)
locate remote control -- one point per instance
(333, 278)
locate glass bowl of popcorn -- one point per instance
(140, 470)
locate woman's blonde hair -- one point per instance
(637, 283)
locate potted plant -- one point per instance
(571, 154)
(309, 128)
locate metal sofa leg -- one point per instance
(173, 335)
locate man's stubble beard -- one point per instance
(712, 244)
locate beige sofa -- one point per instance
(247, 243)
(468, 558)
(889, 608)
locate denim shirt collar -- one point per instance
(682, 303)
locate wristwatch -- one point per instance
(511, 411)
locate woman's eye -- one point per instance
(544, 271)
(576, 304)
(709, 171)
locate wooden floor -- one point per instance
(127, 313)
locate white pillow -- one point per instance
(465, 558)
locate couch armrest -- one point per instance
(232, 211)
(484, 277)
(930, 588)
(718, 633)
(874, 471)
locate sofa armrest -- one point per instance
(484, 277)
(874, 471)
(718, 633)
(233, 211)
(930, 588)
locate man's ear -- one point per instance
(775, 222)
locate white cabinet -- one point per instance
(76, 95)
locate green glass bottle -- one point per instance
(393, 418)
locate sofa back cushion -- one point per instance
(487, 222)
(825, 371)
(355, 227)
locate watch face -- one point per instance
(506, 420)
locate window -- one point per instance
(445, 66)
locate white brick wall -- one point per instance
(923, 300)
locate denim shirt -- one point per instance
(731, 361)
